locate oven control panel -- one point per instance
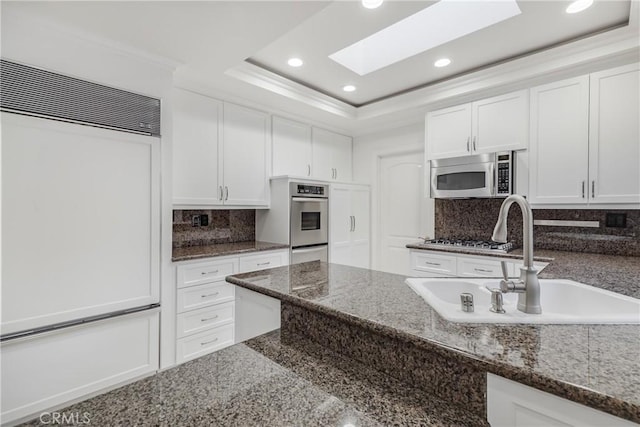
(310, 190)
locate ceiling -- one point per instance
(541, 24)
(208, 39)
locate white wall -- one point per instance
(367, 151)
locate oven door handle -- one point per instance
(309, 199)
(320, 247)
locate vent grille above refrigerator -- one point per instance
(36, 92)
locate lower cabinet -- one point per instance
(511, 404)
(213, 314)
(51, 369)
(425, 263)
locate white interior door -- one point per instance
(403, 210)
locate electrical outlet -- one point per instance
(616, 220)
(195, 221)
(204, 220)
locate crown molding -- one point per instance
(273, 82)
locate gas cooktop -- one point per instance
(469, 244)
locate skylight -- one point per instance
(433, 26)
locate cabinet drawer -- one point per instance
(207, 342)
(427, 274)
(200, 320)
(204, 272)
(441, 264)
(471, 267)
(262, 261)
(201, 296)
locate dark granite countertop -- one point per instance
(222, 249)
(592, 364)
(269, 382)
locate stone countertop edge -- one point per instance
(189, 253)
(565, 390)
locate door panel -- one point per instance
(402, 210)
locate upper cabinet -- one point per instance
(291, 153)
(331, 155)
(614, 136)
(220, 153)
(494, 124)
(196, 133)
(245, 154)
(558, 157)
(585, 141)
(301, 150)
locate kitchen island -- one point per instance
(375, 318)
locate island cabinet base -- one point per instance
(446, 374)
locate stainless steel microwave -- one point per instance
(483, 175)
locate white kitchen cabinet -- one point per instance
(585, 140)
(331, 155)
(221, 153)
(205, 307)
(449, 132)
(349, 225)
(196, 134)
(494, 124)
(291, 152)
(614, 136)
(54, 368)
(257, 314)
(511, 404)
(558, 157)
(245, 154)
(212, 314)
(426, 263)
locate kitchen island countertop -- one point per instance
(591, 364)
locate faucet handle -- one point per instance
(505, 273)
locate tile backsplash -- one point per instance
(225, 226)
(475, 219)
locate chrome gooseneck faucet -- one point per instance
(527, 287)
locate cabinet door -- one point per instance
(360, 240)
(501, 123)
(559, 142)
(614, 136)
(291, 152)
(245, 150)
(448, 132)
(195, 149)
(340, 224)
(331, 155)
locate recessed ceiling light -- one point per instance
(295, 62)
(349, 88)
(443, 62)
(372, 4)
(579, 6)
(433, 26)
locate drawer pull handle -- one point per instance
(209, 295)
(482, 270)
(209, 272)
(264, 263)
(209, 342)
(432, 263)
(206, 319)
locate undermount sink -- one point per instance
(562, 301)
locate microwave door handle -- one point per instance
(494, 190)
